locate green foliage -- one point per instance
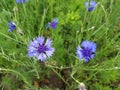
(63, 71)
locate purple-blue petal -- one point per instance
(79, 53)
(90, 6)
(50, 52)
(52, 24)
(90, 45)
(40, 48)
(21, 1)
(40, 40)
(12, 26)
(86, 50)
(41, 57)
(48, 43)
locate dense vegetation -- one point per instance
(64, 70)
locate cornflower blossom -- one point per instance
(12, 26)
(40, 48)
(86, 51)
(21, 1)
(90, 6)
(52, 24)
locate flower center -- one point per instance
(53, 24)
(86, 52)
(90, 8)
(41, 48)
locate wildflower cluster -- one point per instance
(42, 49)
(76, 45)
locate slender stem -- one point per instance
(24, 9)
(42, 22)
(103, 69)
(60, 77)
(60, 68)
(75, 79)
(35, 61)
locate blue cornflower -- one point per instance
(40, 49)
(90, 6)
(52, 24)
(12, 26)
(86, 51)
(21, 1)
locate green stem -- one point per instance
(109, 69)
(36, 69)
(75, 79)
(24, 9)
(60, 68)
(42, 22)
(60, 77)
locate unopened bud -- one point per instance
(82, 86)
(15, 9)
(20, 31)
